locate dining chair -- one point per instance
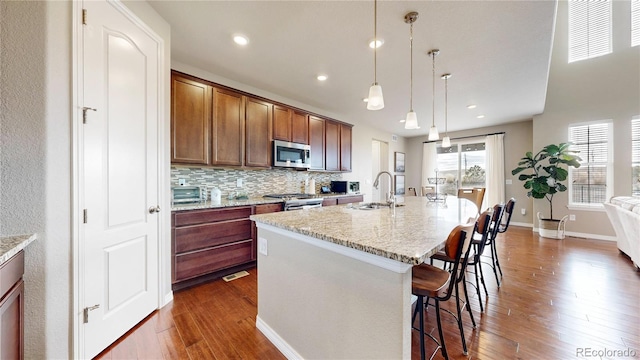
(476, 195)
(411, 191)
(431, 282)
(427, 190)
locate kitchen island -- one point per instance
(335, 282)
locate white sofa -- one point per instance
(624, 213)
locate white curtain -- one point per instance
(429, 162)
(494, 194)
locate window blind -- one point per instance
(635, 155)
(589, 29)
(589, 181)
(635, 22)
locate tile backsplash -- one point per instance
(254, 182)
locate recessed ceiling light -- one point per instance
(377, 43)
(480, 116)
(240, 40)
(322, 77)
(472, 106)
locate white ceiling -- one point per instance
(497, 51)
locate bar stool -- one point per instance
(502, 228)
(490, 231)
(432, 282)
(496, 219)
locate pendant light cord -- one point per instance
(433, 96)
(375, 42)
(411, 76)
(446, 103)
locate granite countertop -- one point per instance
(417, 231)
(254, 200)
(11, 245)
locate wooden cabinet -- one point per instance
(300, 127)
(12, 308)
(345, 147)
(330, 202)
(209, 241)
(262, 209)
(332, 145)
(290, 125)
(341, 200)
(257, 133)
(316, 141)
(228, 128)
(190, 121)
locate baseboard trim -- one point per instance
(521, 224)
(586, 236)
(276, 340)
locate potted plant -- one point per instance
(543, 174)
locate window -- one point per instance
(461, 165)
(635, 22)
(589, 29)
(589, 183)
(635, 154)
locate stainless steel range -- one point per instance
(297, 201)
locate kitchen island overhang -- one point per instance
(335, 283)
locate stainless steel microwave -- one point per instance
(288, 154)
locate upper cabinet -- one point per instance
(190, 121)
(290, 125)
(316, 141)
(216, 126)
(228, 128)
(258, 123)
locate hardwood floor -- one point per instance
(558, 298)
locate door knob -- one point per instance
(154, 209)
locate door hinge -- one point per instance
(84, 16)
(86, 312)
(84, 216)
(84, 113)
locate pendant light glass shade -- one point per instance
(411, 122)
(433, 133)
(376, 101)
(446, 142)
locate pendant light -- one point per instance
(375, 101)
(412, 120)
(433, 131)
(446, 141)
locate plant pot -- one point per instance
(551, 228)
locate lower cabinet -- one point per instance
(12, 308)
(347, 199)
(210, 243)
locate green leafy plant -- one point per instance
(544, 172)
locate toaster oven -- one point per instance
(188, 194)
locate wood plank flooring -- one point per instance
(557, 297)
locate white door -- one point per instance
(118, 244)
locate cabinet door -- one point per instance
(332, 146)
(281, 123)
(316, 141)
(257, 133)
(300, 128)
(228, 127)
(190, 121)
(12, 323)
(345, 147)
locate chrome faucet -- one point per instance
(392, 196)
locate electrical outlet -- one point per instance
(572, 217)
(182, 182)
(239, 183)
(508, 182)
(262, 246)
(523, 211)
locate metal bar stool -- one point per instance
(429, 281)
(502, 228)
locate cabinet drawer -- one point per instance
(350, 199)
(329, 202)
(208, 235)
(202, 262)
(268, 208)
(11, 272)
(195, 217)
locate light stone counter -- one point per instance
(11, 245)
(416, 232)
(253, 200)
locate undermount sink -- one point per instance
(375, 205)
